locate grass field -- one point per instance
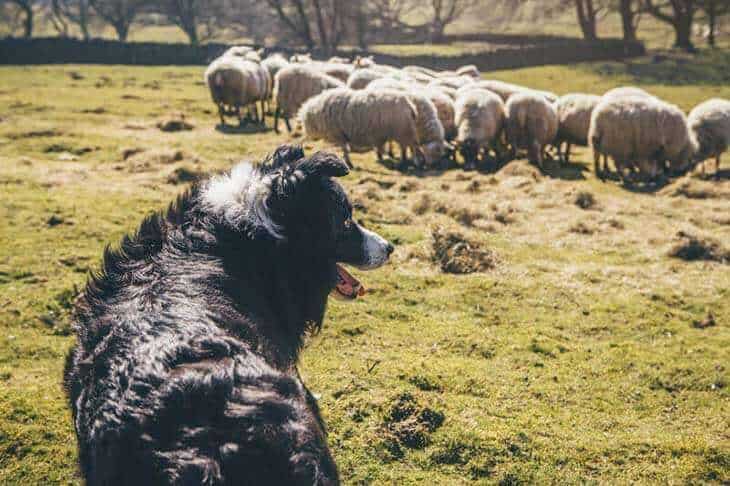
(580, 354)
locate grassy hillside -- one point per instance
(582, 352)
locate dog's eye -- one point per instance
(348, 223)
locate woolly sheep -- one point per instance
(421, 70)
(294, 85)
(340, 71)
(639, 132)
(574, 120)
(469, 70)
(532, 124)
(505, 90)
(362, 120)
(480, 118)
(275, 63)
(234, 83)
(709, 124)
(625, 92)
(338, 60)
(454, 82)
(300, 58)
(239, 51)
(444, 104)
(360, 78)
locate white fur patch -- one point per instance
(375, 248)
(240, 196)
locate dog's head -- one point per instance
(296, 202)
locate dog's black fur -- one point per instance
(188, 339)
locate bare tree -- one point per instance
(119, 14)
(679, 14)
(24, 7)
(714, 10)
(197, 18)
(630, 11)
(588, 12)
(76, 12)
(293, 14)
(446, 12)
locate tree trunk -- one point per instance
(28, 22)
(683, 33)
(627, 20)
(84, 19)
(586, 18)
(122, 30)
(711, 23)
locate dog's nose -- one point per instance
(390, 249)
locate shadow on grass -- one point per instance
(708, 67)
(568, 171)
(245, 129)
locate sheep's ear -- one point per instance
(286, 154)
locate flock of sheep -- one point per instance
(362, 106)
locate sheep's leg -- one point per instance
(566, 153)
(238, 115)
(346, 153)
(288, 126)
(379, 153)
(717, 165)
(221, 112)
(276, 119)
(263, 113)
(419, 157)
(597, 165)
(390, 150)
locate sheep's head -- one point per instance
(434, 152)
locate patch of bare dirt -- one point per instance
(454, 253)
(408, 423)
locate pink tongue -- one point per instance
(347, 285)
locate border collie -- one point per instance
(185, 370)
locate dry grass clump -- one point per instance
(521, 168)
(456, 254)
(408, 423)
(184, 174)
(427, 204)
(174, 123)
(582, 228)
(693, 188)
(465, 216)
(691, 248)
(141, 160)
(585, 200)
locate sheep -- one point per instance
(363, 62)
(360, 78)
(338, 60)
(239, 51)
(421, 70)
(275, 63)
(532, 123)
(429, 128)
(294, 85)
(625, 92)
(709, 124)
(300, 58)
(505, 90)
(454, 82)
(639, 132)
(340, 71)
(361, 120)
(469, 70)
(480, 118)
(444, 104)
(574, 121)
(235, 82)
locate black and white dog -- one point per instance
(185, 368)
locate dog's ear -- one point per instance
(323, 164)
(286, 154)
(289, 177)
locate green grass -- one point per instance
(574, 360)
